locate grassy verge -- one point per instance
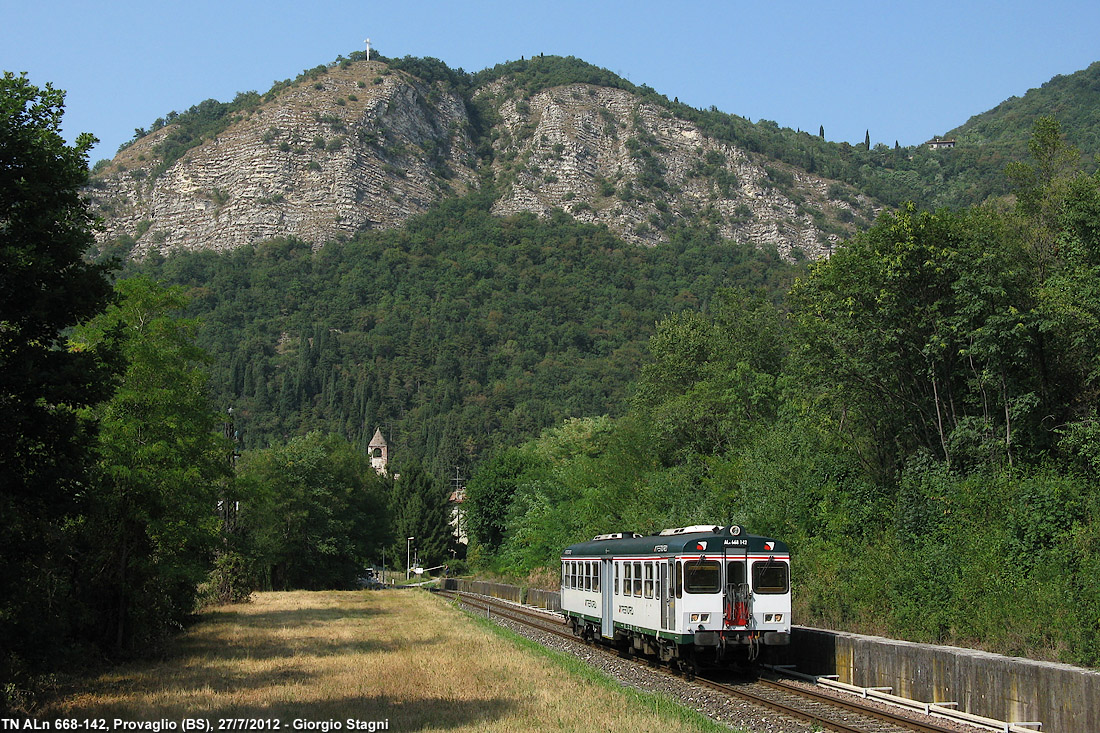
(675, 714)
(405, 658)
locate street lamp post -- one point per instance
(408, 556)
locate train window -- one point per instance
(770, 577)
(616, 578)
(649, 580)
(626, 578)
(678, 580)
(572, 576)
(596, 568)
(638, 579)
(588, 576)
(702, 576)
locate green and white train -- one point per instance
(686, 595)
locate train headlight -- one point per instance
(697, 618)
(779, 618)
(769, 617)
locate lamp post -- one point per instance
(408, 556)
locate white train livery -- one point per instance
(686, 595)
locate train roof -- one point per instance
(708, 538)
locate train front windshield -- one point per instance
(770, 577)
(702, 576)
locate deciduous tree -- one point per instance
(149, 522)
(45, 288)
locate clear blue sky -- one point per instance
(903, 70)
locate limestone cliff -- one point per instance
(360, 145)
(608, 158)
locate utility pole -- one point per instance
(228, 507)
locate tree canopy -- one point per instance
(45, 288)
(917, 419)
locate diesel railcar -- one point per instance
(703, 593)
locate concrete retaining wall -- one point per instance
(1065, 699)
(548, 599)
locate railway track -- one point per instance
(823, 710)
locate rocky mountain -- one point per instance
(365, 145)
(606, 157)
(359, 147)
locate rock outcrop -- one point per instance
(607, 157)
(361, 146)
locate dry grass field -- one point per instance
(401, 657)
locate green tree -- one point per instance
(920, 332)
(713, 376)
(420, 510)
(1041, 187)
(149, 529)
(313, 513)
(1058, 215)
(489, 495)
(45, 288)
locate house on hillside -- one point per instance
(938, 143)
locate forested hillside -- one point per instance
(907, 414)
(918, 419)
(1071, 98)
(458, 333)
(915, 415)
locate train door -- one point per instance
(607, 598)
(738, 594)
(668, 597)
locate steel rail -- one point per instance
(874, 718)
